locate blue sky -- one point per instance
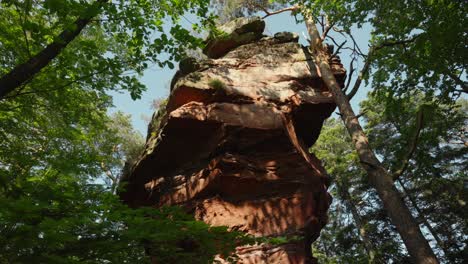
(158, 79)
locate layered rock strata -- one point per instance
(231, 143)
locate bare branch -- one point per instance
(372, 50)
(350, 75)
(328, 27)
(356, 46)
(361, 76)
(339, 48)
(333, 40)
(322, 24)
(337, 30)
(268, 13)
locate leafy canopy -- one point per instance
(60, 152)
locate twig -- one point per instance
(338, 49)
(327, 28)
(22, 20)
(333, 40)
(356, 46)
(351, 72)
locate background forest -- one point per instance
(62, 149)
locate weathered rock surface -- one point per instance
(287, 36)
(226, 147)
(238, 32)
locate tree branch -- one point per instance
(371, 53)
(19, 93)
(25, 35)
(364, 111)
(268, 13)
(333, 40)
(361, 75)
(350, 75)
(25, 71)
(339, 48)
(458, 81)
(356, 46)
(327, 28)
(390, 43)
(411, 146)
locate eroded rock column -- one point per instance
(221, 149)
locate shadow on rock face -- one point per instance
(220, 148)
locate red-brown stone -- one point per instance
(222, 151)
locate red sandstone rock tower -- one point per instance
(228, 143)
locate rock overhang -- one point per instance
(221, 142)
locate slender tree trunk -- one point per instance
(379, 178)
(344, 192)
(25, 71)
(424, 220)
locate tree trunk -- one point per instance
(379, 178)
(344, 192)
(25, 71)
(414, 203)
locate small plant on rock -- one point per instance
(216, 84)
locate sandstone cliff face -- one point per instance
(228, 144)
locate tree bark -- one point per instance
(25, 71)
(439, 241)
(379, 178)
(344, 192)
